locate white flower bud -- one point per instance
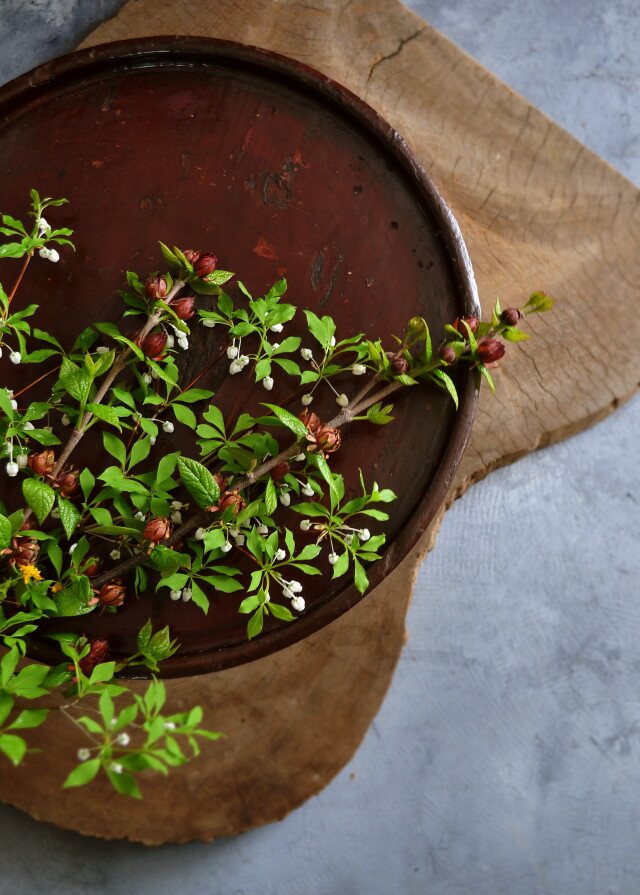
(152, 439)
(285, 498)
(232, 352)
(288, 593)
(15, 357)
(263, 529)
(14, 404)
(183, 342)
(170, 341)
(306, 400)
(187, 593)
(295, 586)
(244, 360)
(169, 725)
(154, 375)
(234, 531)
(12, 469)
(28, 426)
(267, 598)
(139, 515)
(22, 460)
(299, 458)
(333, 558)
(305, 524)
(358, 369)
(71, 548)
(123, 739)
(176, 516)
(267, 382)
(83, 754)
(275, 345)
(364, 534)
(115, 554)
(208, 322)
(348, 539)
(226, 547)
(55, 512)
(66, 419)
(235, 367)
(1, 356)
(53, 255)
(177, 505)
(280, 554)
(306, 353)
(168, 427)
(43, 251)
(342, 400)
(175, 594)
(308, 491)
(200, 534)
(115, 767)
(147, 378)
(298, 604)
(239, 539)
(276, 328)
(42, 226)
(333, 342)
(101, 349)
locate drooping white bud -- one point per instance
(170, 341)
(232, 352)
(263, 529)
(115, 767)
(226, 547)
(306, 400)
(187, 593)
(200, 534)
(176, 516)
(83, 754)
(42, 226)
(267, 382)
(333, 558)
(285, 498)
(177, 505)
(123, 739)
(28, 426)
(175, 594)
(305, 524)
(306, 353)
(308, 491)
(22, 460)
(280, 554)
(342, 400)
(358, 369)
(333, 342)
(276, 328)
(101, 349)
(168, 427)
(295, 586)
(53, 255)
(15, 357)
(239, 540)
(364, 534)
(208, 322)
(183, 342)
(12, 469)
(66, 419)
(147, 378)
(298, 604)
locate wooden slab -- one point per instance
(538, 210)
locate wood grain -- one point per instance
(537, 210)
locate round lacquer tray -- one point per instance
(220, 147)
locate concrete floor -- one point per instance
(506, 757)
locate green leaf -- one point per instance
(106, 413)
(195, 394)
(270, 500)
(443, 379)
(168, 255)
(360, 576)
(39, 496)
(185, 415)
(380, 415)
(290, 421)
(87, 482)
(255, 623)
(280, 612)
(5, 532)
(83, 773)
(512, 334)
(323, 329)
(342, 565)
(487, 375)
(115, 447)
(102, 672)
(144, 636)
(70, 516)
(14, 747)
(74, 600)
(199, 482)
(199, 597)
(124, 784)
(140, 451)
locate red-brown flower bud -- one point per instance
(112, 593)
(91, 567)
(447, 354)
(311, 420)
(279, 471)
(25, 551)
(153, 345)
(511, 316)
(205, 264)
(328, 440)
(399, 365)
(67, 480)
(156, 286)
(98, 652)
(43, 462)
(459, 324)
(191, 256)
(490, 350)
(157, 529)
(231, 499)
(183, 307)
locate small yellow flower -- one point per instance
(30, 571)
(56, 588)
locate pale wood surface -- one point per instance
(537, 210)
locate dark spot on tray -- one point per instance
(395, 225)
(357, 188)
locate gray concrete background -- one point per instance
(506, 757)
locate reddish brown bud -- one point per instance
(156, 286)
(280, 471)
(447, 354)
(25, 551)
(328, 440)
(399, 365)
(511, 316)
(112, 593)
(91, 567)
(67, 480)
(43, 462)
(191, 256)
(153, 345)
(490, 350)
(311, 420)
(205, 264)
(157, 529)
(183, 307)
(98, 652)
(231, 499)
(459, 324)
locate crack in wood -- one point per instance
(403, 42)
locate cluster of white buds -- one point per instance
(291, 590)
(238, 361)
(49, 254)
(185, 594)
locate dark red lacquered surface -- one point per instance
(281, 172)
